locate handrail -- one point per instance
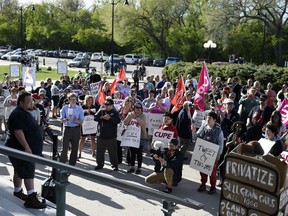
(99, 176)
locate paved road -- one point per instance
(91, 197)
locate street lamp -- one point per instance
(112, 36)
(209, 45)
(22, 40)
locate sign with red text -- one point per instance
(162, 135)
(131, 137)
(154, 121)
(118, 103)
(204, 156)
(89, 126)
(94, 87)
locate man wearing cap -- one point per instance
(72, 117)
(211, 132)
(168, 166)
(108, 119)
(183, 125)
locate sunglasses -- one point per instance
(129, 101)
(133, 94)
(137, 107)
(107, 104)
(262, 100)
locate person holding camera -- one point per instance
(168, 166)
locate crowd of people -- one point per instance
(234, 114)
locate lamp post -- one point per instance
(22, 40)
(209, 45)
(112, 36)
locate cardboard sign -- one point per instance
(94, 88)
(198, 117)
(118, 103)
(204, 156)
(154, 121)
(28, 75)
(62, 67)
(131, 137)
(162, 135)
(14, 70)
(89, 126)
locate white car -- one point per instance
(6, 56)
(132, 58)
(71, 54)
(17, 55)
(97, 56)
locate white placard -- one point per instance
(198, 117)
(94, 88)
(120, 128)
(154, 121)
(89, 126)
(204, 156)
(62, 67)
(131, 137)
(14, 70)
(29, 76)
(163, 136)
(266, 145)
(118, 103)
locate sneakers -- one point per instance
(21, 195)
(212, 190)
(33, 202)
(202, 188)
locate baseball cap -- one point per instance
(36, 96)
(168, 114)
(109, 101)
(187, 103)
(228, 100)
(174, 141)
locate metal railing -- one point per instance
(63, 171)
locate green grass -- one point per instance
(43, 74)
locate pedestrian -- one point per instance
(72, 117)
(24, 134)
(108, 119)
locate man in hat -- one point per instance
(108, 119)
(168, 166)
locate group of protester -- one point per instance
(232, 114)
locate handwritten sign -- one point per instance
(89, 126)
(131, 137)
(62, 67)
(154, 121)
(198, 117)
(14, 70)
(230, 208)
(94, 88)
(162, 135)
(29, 76)
(118, 103)
(204, 156)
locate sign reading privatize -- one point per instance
(250, 187)
(204, 156)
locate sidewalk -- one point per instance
(85, 197)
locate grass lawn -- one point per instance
(43, 74)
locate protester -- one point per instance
(271, 133)
(72, 117)
(107, 119)
(168, 167)
(25, 135)
(275, 119)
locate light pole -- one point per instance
(112, 36)
(22, 40)
(209, 45)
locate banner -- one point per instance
(283, 109)
(204, 156)
(203, 86)
(28, 76)
(89, 126)
(131, 137)
(94, 88)
(154, 121)
(163, 136)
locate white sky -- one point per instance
(87, 3)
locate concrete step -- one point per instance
(11, 205)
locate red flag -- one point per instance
(178, 98)
(113, 86)
(101, 95)
(121, 74)
(179, 104)
(203, 86)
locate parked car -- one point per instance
(38, 52)
(115, 56)
(64, 53)
(44, 52)
(50, 53)
(97, 56)
(6, 56)
(147, 61)
(118, 63)
(18, 55)
(171, 60)
(160, 62)
(56, 54)
(132, 58)
(79, 62)
(71, 54)
(3, 52)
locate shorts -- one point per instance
(55, 99)
(24, 169)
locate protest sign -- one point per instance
(62, 67)
(14, 70)
(266, 145)
(120, 128)
(204, 156)
(118, 103)
(154, 121)
(89, 126)
(283, 109)
(94, 88)
(198, 117)
(131, 137)
(163, 136)
(28, 76)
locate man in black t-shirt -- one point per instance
(94, 77)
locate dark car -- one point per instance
(118, 64)
(147, 61)
(159, 62)
(56, 54)
(50, 53)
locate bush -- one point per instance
(263, 73)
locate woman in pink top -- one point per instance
(159, 106)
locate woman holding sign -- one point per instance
(89, 109)
(140, 118)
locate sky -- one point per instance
(88, 3)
